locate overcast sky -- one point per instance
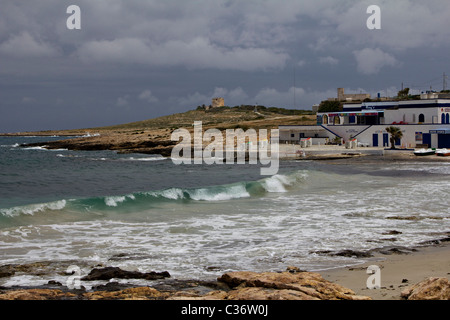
(133, 59)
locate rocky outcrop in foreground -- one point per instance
(292, 284)
(242, 285)
(285, 285)
(429, 289)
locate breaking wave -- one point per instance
(245, 189)
(33, 208)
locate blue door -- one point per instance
(426, 139)
(443, 118)
(443, 140)
(375, 140)
(385, 139)
(447, 118)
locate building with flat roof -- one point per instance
(342, 96)
(424, 122)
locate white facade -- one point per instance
(295, 134)
(376, 135)
(422, 122)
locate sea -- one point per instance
(143, 212)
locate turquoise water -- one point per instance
(199, 221)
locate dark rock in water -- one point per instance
(391, 232)
(435, 242)
(112, 286)
(39, 268)
(388, 239)
(404, 218)
(321, 252)
(345, 253)
(7, 271)
(213, 268)
(395, 250)
(353, 253)
(114, 272)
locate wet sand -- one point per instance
(397, 271)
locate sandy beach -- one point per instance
(398, 271)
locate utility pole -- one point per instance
(444, 82)
(294, 89)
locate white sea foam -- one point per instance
(87, 135)
(280, 182)
(172, 193)
(114, 201)
(275, 183)
(35, 148)
(33, 208)
(15, 145)
(156, 158)
(42, 148)
(211, 194)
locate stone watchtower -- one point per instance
(340, 94)
(218, 102)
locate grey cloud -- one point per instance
(371, 61)
(155, 57)
(147, 96)
(328, 60)
(25, 46)
(123, 101)
(198, 53)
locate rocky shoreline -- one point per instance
(111, 283)
(292, 284)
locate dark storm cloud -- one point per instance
(133, 60)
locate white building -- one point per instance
(423, 122)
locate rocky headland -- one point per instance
(153, 136)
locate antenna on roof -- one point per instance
(444, 82)
(294, 88)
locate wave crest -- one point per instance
(33, 208)
(245, 189)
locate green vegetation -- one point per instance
(402, 94)
(330, 106)
(396, 134)
(258, 108)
